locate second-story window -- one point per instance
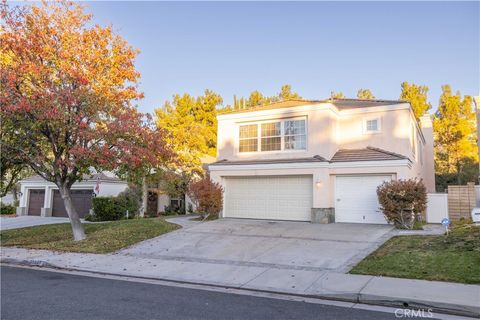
(281, 135)
(271, 136)
(295, 137)
(248, 138)
(371, 125)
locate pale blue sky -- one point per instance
(317, 47)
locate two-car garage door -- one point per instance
(269, 197)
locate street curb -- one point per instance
(452, 309)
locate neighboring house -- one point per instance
(319, 161)
(39, 197)
(158, 199)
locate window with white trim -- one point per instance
(282, 135)
(271, 136)
(248, 138)
(371, 125)
(295, 136)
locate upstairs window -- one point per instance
(371, 125)
(271, 136)
(295, 137)
(285, 135)
(248, 138)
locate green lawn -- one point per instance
(454, 258)
(101, 237)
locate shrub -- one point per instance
(402, 201)
(172, 210)
(130, 200)
(107, 209)
(7, 209)
(207, 196)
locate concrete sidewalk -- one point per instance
(441, 297)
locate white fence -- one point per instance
(437, 207)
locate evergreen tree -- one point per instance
(417, 96)
(337, 95)
(365, 94)
(455, 136)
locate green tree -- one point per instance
(256, 98)
(417, 96)
(287, 94)
(455, 136)
(337, 95)
(191, 123)
(365, 94)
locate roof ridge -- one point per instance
(371, 100)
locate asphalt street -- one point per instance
(35, 294)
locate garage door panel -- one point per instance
(82, 201)
(356, 199)
(276, 198)
(36, 201)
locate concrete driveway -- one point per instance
(28, 221)
(271, 244)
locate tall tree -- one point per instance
(365, 94)
(455, 138)
(337, 95)
(67, 87)
(191, 124)
(417, 96)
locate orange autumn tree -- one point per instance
(67, 89)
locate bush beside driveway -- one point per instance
(101, 237)
(454, 258)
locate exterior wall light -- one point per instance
(319, 183)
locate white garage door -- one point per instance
(356, 199)
(275, 198)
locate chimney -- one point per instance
(477, 111)
(426, 126)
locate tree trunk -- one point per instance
(143, 208)
(77, 228)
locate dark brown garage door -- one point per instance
(82, 201)
(35, 202)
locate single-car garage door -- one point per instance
(82, 201)
(35, 201)
(356, 199)
(272, 197)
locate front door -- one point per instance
(152, 203)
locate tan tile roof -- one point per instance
(342, 155)
(341, 104)
(366, 154)
(270, 161)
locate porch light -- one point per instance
(319, 183)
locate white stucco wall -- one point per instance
(328, 130)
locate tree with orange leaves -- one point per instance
(67, 92)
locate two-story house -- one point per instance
(319, 161)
